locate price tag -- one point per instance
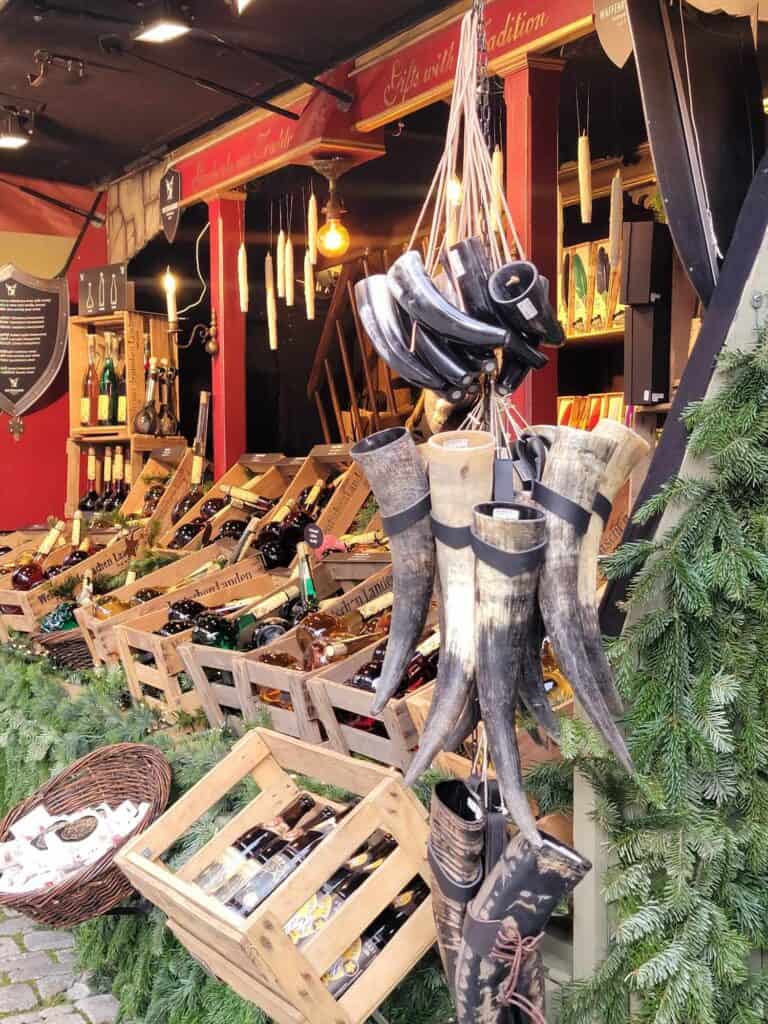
(314, 536)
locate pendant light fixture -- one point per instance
(163, 25)
(333, 237)
(15, 130)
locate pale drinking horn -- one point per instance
(504, 925)
(395, 471)
(574, 468)
(460, 477)
(630, 450)
(509, 542)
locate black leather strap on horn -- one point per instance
(602, 507)
(455, 537)
(400, 521)
(561, 507)
(495, 839)
(480, 936)
(511, 563)
(462, 893)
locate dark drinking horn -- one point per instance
(460, 477)
(441, 359)
(415, 291)
(520, 296)
(455, 854)
(509, 542)
(504, 925)
(574, 467)
(380, 317)
(532, 692)
(393, 467)
(631, 449)
(468, 264)
(483, 362)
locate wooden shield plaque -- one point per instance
(170, 203)
(33, 337)
(612, 27)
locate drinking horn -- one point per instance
(435, 354)
(575, 465)
(380, 317)
(460, 477)
(504, 926)
(456, 838)
(533, 695)
(519, 294)
(415, 291)
(509, 541)
(395, 471)
(630, 450)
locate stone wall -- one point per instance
(133, 213)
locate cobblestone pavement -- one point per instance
(39, 983)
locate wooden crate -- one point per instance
(332, 697)
(253, 955)
(157, 684)
(349, 568)
(133, 327)
(168, 453)
(246, 469)
(25, 609)
(98, 632)
(242, 703)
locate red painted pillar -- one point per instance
(228, 371)
(532, 93)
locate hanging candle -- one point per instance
(497, 170)
(281, 265)
(617, 220)
(309, 285)
(585, 179)
(269, 285)
(290, 282)
(242, 277)
(312, 228)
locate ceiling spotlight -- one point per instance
(165, 25)
(15, 129)
(241, 5)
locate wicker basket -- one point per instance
(124, 771)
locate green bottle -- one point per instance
(108, 395)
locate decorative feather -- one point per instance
(309, 285)
(585, 179)
(312, 228)
(242, 277)
(281, 265)
(497, 169)
(617, 220)
(290, 281)
(269, 285)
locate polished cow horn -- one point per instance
(519, 294)
(460, 477)
(575, 466)
(504, 925)
(395, 471)
(415, 291)
(631, 449)
(441, 359)
(509, 542)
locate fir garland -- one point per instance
(688, 838)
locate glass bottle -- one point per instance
(105, 497)
(195, 492)
(167, 421)
(145, 421)
(33, 573)
(90, 500)
(187, 532)
(120, 370)
(89, 401)
(232, 529)
(108, 386)
(240, 497)
(212, 506)
(118, 482)
(185, 610)
(81, 546)
(308, 601)
(212, 630)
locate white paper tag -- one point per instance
(460, 442)
(527, 308)
(457, 264)
(508, 515)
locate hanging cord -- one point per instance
(203, 282)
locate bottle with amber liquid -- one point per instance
(89, 402)
(105, 497)
(146, 422)
(195, 492)
(319, 631)
(90, 500)
(33, 573)
(167, 420)
(556, 685)
(108, 385)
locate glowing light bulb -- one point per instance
(454, 191)
(333, 238)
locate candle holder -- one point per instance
(206, 334)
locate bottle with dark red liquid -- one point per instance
(33, 573)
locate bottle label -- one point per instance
(430, 645)
(309, 919)
(197, 470)
(103, 408)
(122, 409)
(85, 412)
(91, 467)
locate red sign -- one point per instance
(421, 72)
